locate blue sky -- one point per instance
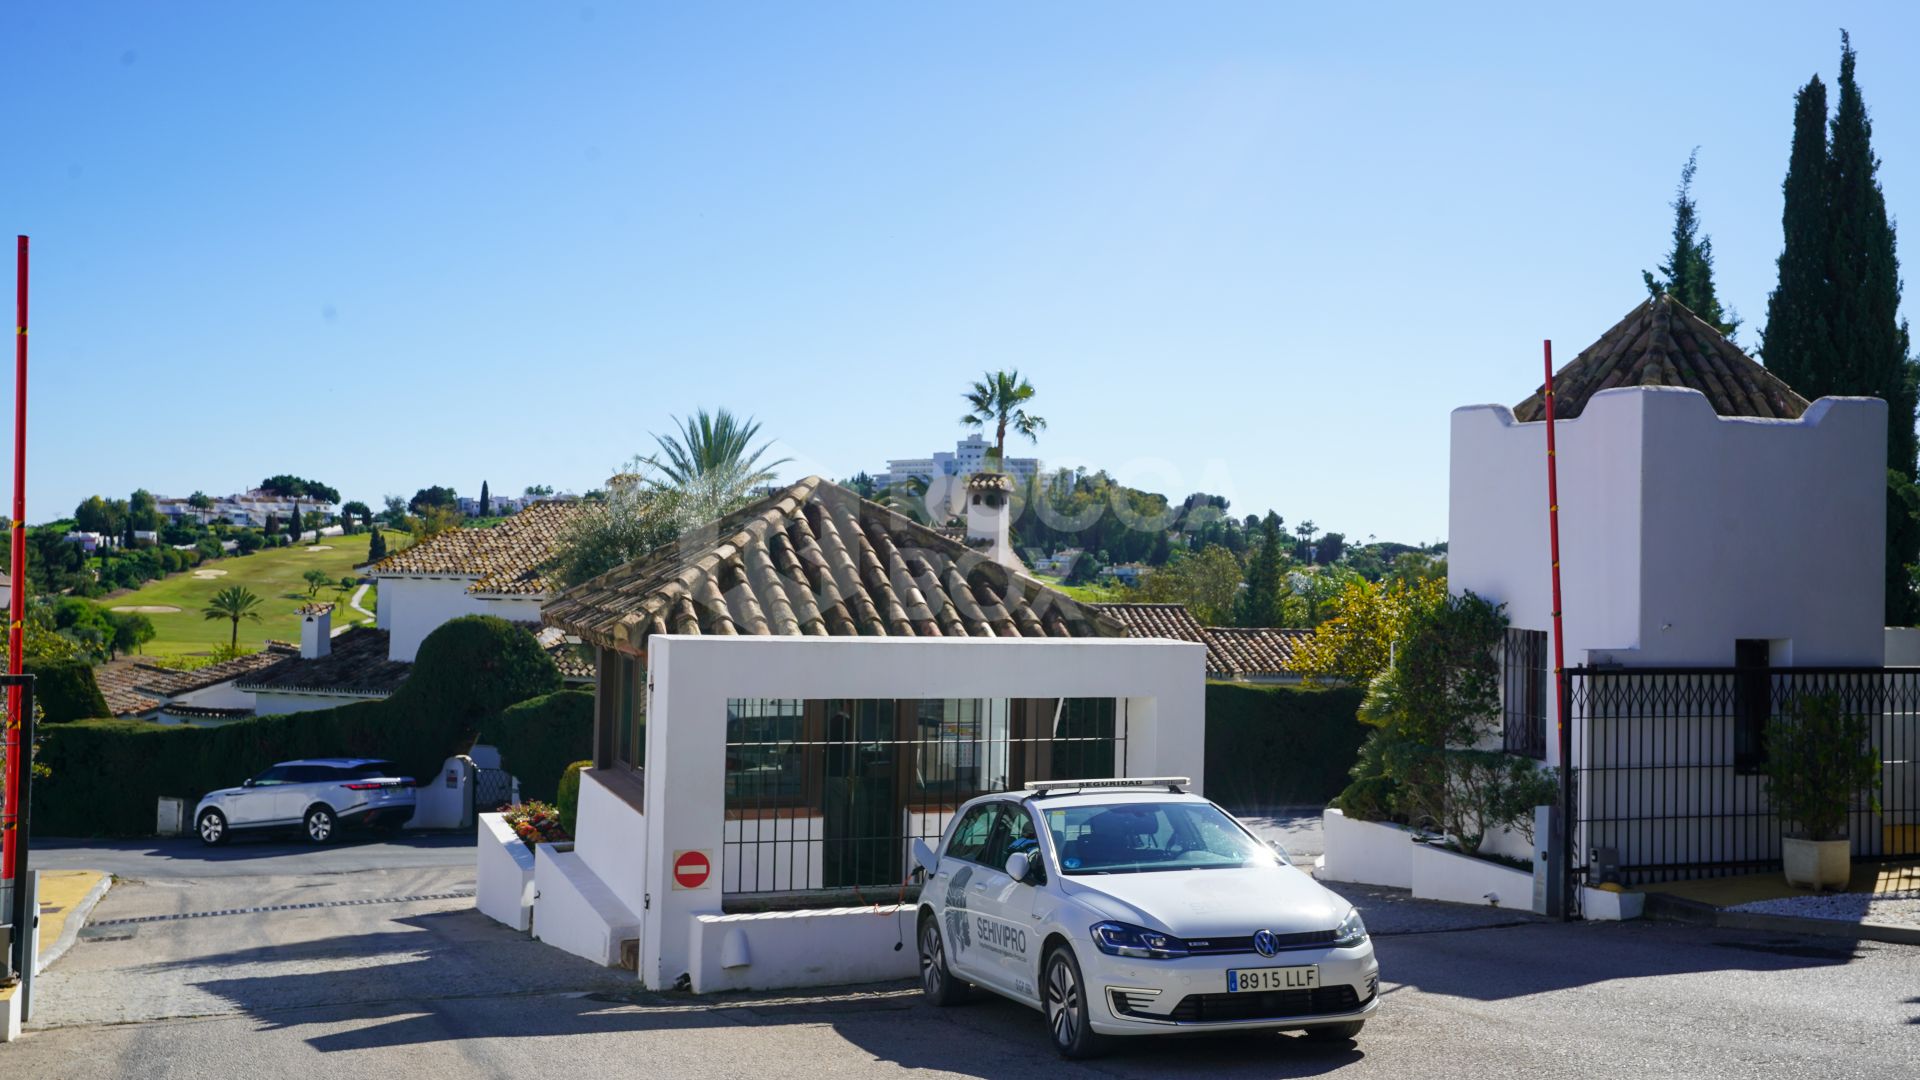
(1258, 249)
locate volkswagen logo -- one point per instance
(1264, 943)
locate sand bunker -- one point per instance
(148, 609)
(320, 547)
(209, 575)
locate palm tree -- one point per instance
(997, 399)
(711, 461)
(235, 602)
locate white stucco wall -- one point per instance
(691, 678)
(270, 704)
(1680, 531)
(218, 696)
(413, 607)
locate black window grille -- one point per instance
(1523, 692)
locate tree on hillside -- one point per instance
(633, 519)
(94, 515)
(712, 463)
(443, 497)
(376, 546)
(538, 491)
(1689, 267)
(130, 631)
(144, 510)
(316, 580)
(1841, 331)
(272, 528)
(486, 501)
(432, 521)
(357, 509)
(1307, 530)
(233, 603)
(200, 501)
(1000, 399)
(1205, 581)
(1259, 603)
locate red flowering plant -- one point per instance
(536, 823)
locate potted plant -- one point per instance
(1818, 756)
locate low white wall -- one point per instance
(575, 911)
(1365, 852)
(832, 947)
(503, 874)
(271, 704)
(611, 837)
(1439, 874)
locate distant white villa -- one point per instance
(248, 509)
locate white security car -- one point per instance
(319, 796)
(1131, 907)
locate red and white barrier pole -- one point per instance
(17, 763)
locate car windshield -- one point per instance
(1134, 838)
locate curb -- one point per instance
(76, 921)
(1694, 913)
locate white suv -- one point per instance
(1130, 907)
(317, 795)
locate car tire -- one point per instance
(937, 981)
(212, 828)
(1335, 1032)
(321, 825)
(1063, 999)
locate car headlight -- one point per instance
(1122, 939)
(1352, 931)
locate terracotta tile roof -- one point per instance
(574, 661)
(1255, 651)
(816, 559)
(356, 665)
(116, 683)
(509, 557)
(1661, 343)
(166, 682)
(1170, 621)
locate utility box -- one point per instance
(171, 819)
(1549, 864)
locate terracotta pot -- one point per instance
(1816, 864)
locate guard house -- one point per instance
(1721, 538)
(790, 696)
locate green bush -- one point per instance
(65, 690)
(107, 774)
(1280, 745)
(568, 799)
(538, 737)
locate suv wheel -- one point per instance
(937, 981)
(321, 825)
(212, 827)
(1063, 996)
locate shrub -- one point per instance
(568, 799)
(65, 690)
(107, 773)
(536, 823)
(1818, 756)
(1275, 745)
(538, 737)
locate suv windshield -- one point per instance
(1133, 838)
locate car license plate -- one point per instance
(1254, 980)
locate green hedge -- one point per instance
(537, 739)
(107, 774)
(65, 690)
(567, 801)
(1280, 745)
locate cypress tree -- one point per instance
(484, 500)
(1689, 267)
(1797, 344)
(1259, 602)
(376, 547)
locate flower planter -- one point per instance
(1816, 864)
(1366, 852)
(503, 873)
(1605, 905)
(1439, 874)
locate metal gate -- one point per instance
(492, 789)
(1667, 780)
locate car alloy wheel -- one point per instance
(1064, 998)
(320, 825)
(212, 827)
(937, 981)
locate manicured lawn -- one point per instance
(1086, 594)
(274, 576)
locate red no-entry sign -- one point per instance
(691, 869)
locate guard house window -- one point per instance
(1752, 704)
(630, 716)
(766, 752)
(1523, 692)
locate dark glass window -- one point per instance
(1523, 692)
(766, 760)
(971, 836)
(630, 720)
(1752, 703)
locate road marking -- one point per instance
(282, 907)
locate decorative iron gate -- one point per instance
(1666, 777)
(492, 789)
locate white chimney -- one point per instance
(316, 631)
(989, 514)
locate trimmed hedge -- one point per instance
(1281, 745)
(568, 799)
(66, 690)
(537, 738)
(107, 774)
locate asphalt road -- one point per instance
(255, 856)
(366, 984)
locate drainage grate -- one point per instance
(282, 907)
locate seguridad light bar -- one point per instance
(1175, 784)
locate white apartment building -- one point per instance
(945, 473)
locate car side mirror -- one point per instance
(248, 782)
(1018, 865)
(923, 856)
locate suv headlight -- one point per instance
(1352, 931)
(1122, 939)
